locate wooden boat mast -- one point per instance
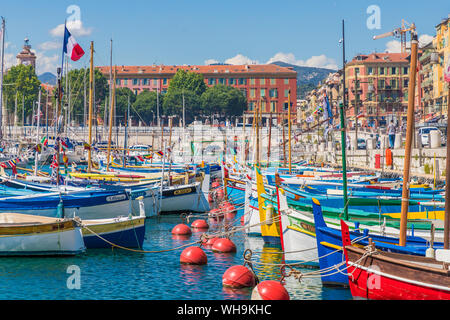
(270, 138)
(111, 112)
(289, 131)
(91, 98)
(409, 136)
(447, 178)
(343, 133)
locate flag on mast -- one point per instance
(71, 46)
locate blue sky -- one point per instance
(200, 31)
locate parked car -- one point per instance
(362, 144)
(424, 134)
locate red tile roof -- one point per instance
(208, 70)
(380, 58)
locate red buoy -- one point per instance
(223, 245)
(270, 290)
(210, 198)
(220, 194)
(193, 255)
(215, 184)
(181, 229)
(242, 220)
(200, 224)
(238, 277)
(211, 241)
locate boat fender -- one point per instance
(269, 213)
(141, 206)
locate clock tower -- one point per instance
(26, 57)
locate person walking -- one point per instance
(391, 133)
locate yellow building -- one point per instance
(442, 44)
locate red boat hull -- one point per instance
(368, 285)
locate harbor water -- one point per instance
(105, 274)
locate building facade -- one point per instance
(377, 86)
(269, 86)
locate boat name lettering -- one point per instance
(116, 197)
(182, 191)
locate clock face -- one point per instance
(26, 62)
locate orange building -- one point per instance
(267, 84)
(378, 88)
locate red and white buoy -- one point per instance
(270, 290)
(223, 245)
(199, 225)
(238, 277)
(193, 255)
(181, 229)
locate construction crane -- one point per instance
(399, 33)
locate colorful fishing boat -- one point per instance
(30, 235)
(380, 275)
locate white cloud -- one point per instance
(211, 61)
(50, 45)
(75, 27)
(394, 46)
(47, 63)
(241, 59)
(321, 61)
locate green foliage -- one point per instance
(21, 80)
(223, 100)
(77, 80)
(145, 104)
(173, 104)
(187, 81)
(122, 96)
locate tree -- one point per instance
(188, 81)
(77, 80)
(188, 86)
(144, 108)
(223, 100)
(122, 95)
(21, 80)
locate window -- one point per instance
(251, 106)
(222, 81)
(125, 82)
(405, 70)
(155, 82)
(356, 70)
(369, 70)
(381, 71)
(263, 92)
(242, 81)
(118, 82)
(252, 93)
(272, 81)
(231, 81)
(252, 81)
(273, 106)
(286, 93)
(394, 84)
(273, 93)
(164, 81)
(262, 81)
(394, 70)
(263, 106)
(144, 82)
(136, 82)
(405, 83)
(370, 96)
(381, 84)
(211, 81)
(405, 95)
(244, 92)
(286, 81)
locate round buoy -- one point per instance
(199, 224)
(181, 237)
(223, 245)
(215, 184)
(270, 290)
(216, 214)
(238, 277)
(193, 255)
(220, 194)
(211, 241)
(210, 198)
(181, 229)
(242, 220)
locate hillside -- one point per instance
(48, 78)
(307, 77)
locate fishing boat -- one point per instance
(31, 235)
(123, 231)
(380, 275)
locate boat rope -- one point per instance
(138, 250)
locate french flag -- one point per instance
(71, 47)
